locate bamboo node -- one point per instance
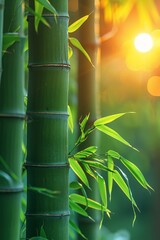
(49, 215)
(49, 65)
(56, 165)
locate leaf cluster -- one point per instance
(88, 162)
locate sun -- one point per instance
(143, 42)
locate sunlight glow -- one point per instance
(153, 86)
(143, 42)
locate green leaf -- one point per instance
(108, 119)
(75, 185)
(135, 171)
(78, 171)
(112, 133)
(121, 183)
(47, 5)
(70, 119)
(83, 123)
(110, 165)
(9, 39)
(114, 154)
(86, 152)
(38, 17)
(131, 197)
(70, 52)
(76, 208)
(95, 164)
(102, 189)
(76, 25)
(76, 228)
(88, 170)
(89, 203)
(78, 45)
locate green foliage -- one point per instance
(9, 39)
(39, 6)
(76, 229)
(77, 24)
(70, 120)
(46, 4)
(88, 162)
(74, 41)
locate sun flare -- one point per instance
(143, 42)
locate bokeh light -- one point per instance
(143, 42)
(153, 86)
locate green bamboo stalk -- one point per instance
(11, 125)
(47, 161)
(1, 33)
(88, 101)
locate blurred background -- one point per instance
(129, 81)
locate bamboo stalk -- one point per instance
(11, 125)
(88, 102)
(1, 33)
(47, 163)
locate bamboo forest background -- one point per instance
(116, 83)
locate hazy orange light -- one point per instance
(153, 86)
(143, 42)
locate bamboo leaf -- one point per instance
(135, 171)
(9, 39)
(76, 208)
(78, 171)
(70, 119)
(108, 119)
(47, 5)
(102, 189)
(76, 25)
(70, 52)
(75, 185)
(123, 186)
(90, 203)
(83, 123)
(78, 45)
(114, 154)
(110, 165)
(88, 170)
(76, 229)
(38, 17)
(132, 200)
(86, 152)
(112, 133)
(95, 164)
